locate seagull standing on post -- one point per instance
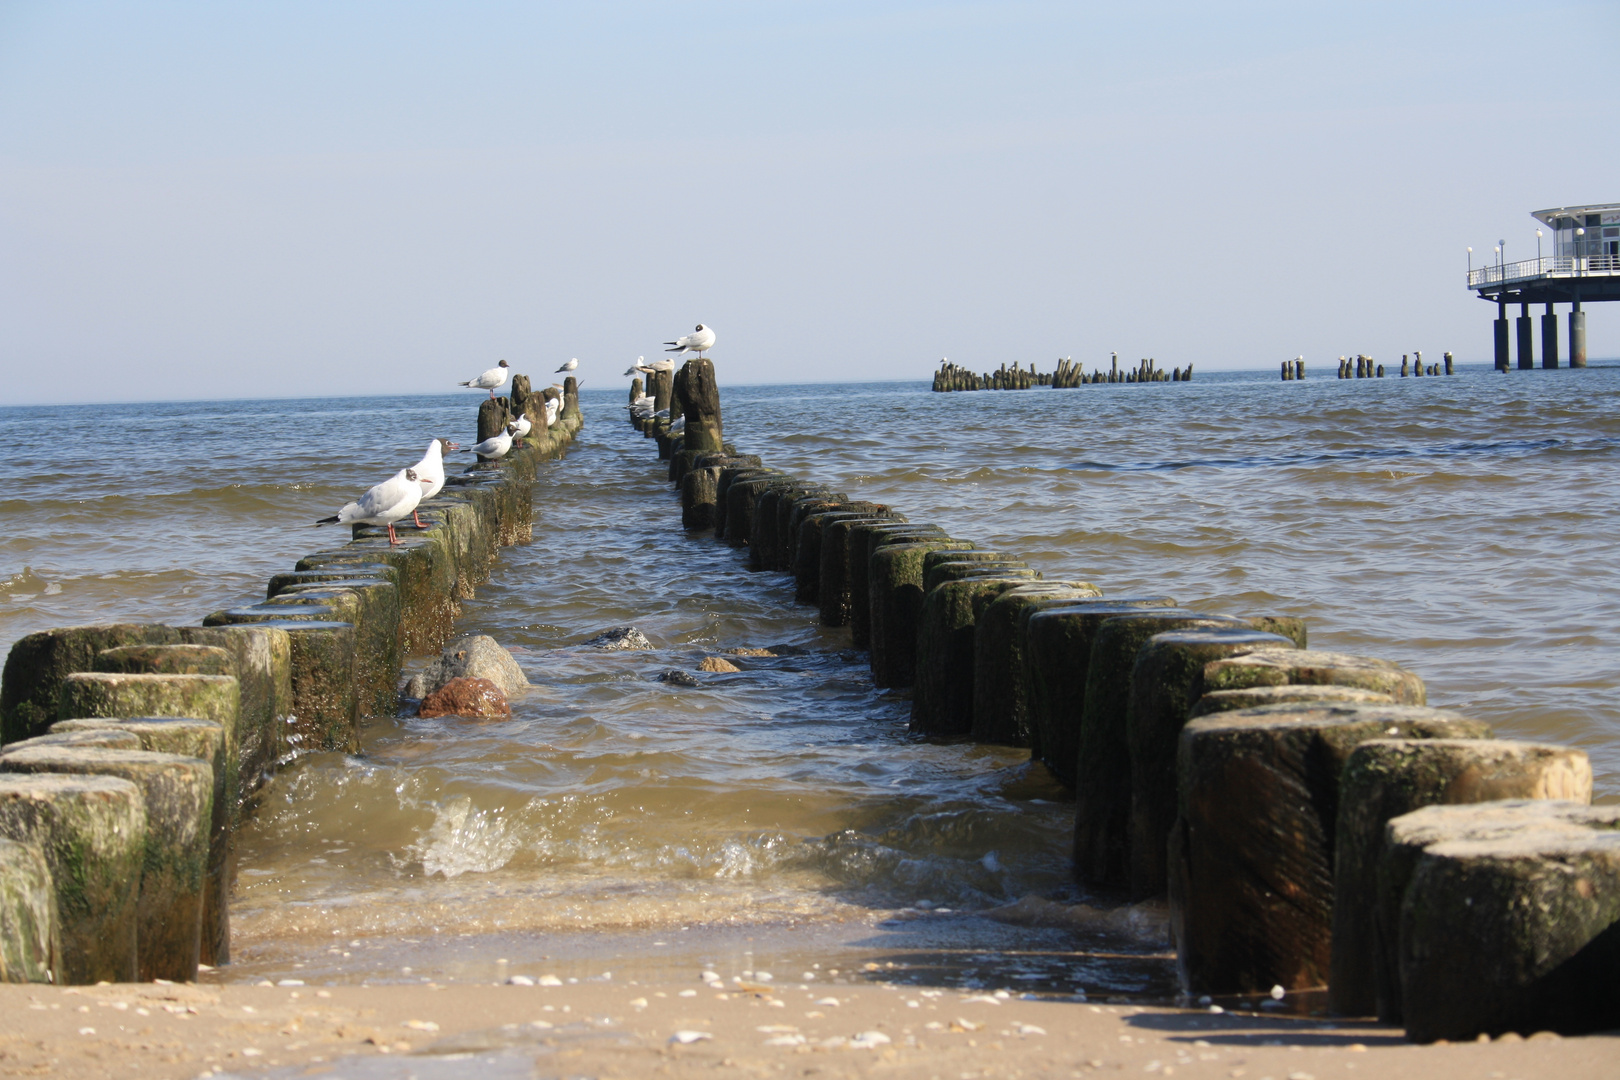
(384, 504)
(491, 380)
(572, 365)
(698, 341)
(430, 473)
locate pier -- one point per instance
(1583, 266)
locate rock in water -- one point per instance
(476, 699)
(477, 656)
(620, 637)
(718, 665)
(676, 677)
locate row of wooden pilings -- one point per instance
(133, 750)
(1067, 375)
(1312, 821)
(1364, 367)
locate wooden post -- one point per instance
(695, 385)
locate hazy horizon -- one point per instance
(209, 202)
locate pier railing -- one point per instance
(1549, 266)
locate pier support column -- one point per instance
(1549, 339)
(1527, 355)
(1501, 337)
(1577, 336)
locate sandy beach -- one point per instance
(609, 1029)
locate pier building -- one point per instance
(1581, 264)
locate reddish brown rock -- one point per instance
(477, 699)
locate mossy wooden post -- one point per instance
(1310, 667)
(374, 608)
(636, 390)
(1251, 856)
(1386, 778)
(263, 662)
(1102, 822)
(1057, 662)
(205, 740)
(730, 474)
(183, 659)
(835, 587)
(325, 701)
(790, 514)
(38, 662)
(203, 697)
(30, 949)
(741, 495)
(895, 573)
(179, 805)
(493, 416)
(1000, 700)
(765, 543)
(92, 832)
(1507, 917)
(807, 547)
(867, 539)
(695, 385)
(1216, 701)
(1167, 680)
(942, 699)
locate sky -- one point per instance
(232, 199)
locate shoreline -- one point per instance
(630, 1028)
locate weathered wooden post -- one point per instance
(92, 831)
(1251, 856)
(1506, 917)
(1000, 697)
(1102, 823)
(1057, 663)
(695, 385)
(1386, 778)
(895, 575)
(1166, 682)
(179, 805)
(493, 416)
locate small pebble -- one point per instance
(548, 980)
(519, 980)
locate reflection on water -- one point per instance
(782, 814)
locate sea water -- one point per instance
(782, 817)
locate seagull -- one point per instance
(384, 504)
(553, 410)
(572, 365)
(633, 368)
(664, 364)
(496, 446)
(491, 380)
(521, 426)
(430, 473)
(699, 341)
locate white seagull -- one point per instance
(572, 365)
(491, 380)
(430, 473)
(663, 364)
(496, 446)
(521, 426)
(635, 367)
(384, 504)
(553, 410)
(699, 341)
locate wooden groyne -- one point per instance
(132, 750)
(1362, 366)
(1312, 821)
(1065, 376)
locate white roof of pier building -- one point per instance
(1608, 214)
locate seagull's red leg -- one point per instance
(417, 518)
(393, 541)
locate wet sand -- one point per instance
(607, 1029)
